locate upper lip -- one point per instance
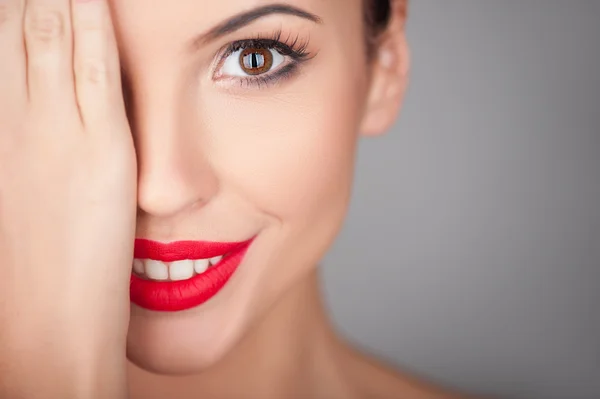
(181, 250)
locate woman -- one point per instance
(222, 160)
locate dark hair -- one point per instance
(377, 15)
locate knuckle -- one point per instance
(10, 12)
(45, 25)
(6, 12)
(95, 72)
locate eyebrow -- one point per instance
(240, 20)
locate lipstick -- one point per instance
(172, 296)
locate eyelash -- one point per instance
(294, 49)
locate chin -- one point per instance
(175, 347)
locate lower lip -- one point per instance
(174, 296)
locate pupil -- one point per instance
(255, 60)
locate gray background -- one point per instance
(472, 252)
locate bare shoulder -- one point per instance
(374, 379)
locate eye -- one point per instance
(262, 61)
(251, 61)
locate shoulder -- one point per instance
(373, 378)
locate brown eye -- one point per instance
(256, 61)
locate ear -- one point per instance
(389, 71)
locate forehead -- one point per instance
(178, 19)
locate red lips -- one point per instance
(170, 296)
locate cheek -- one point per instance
(284, 158)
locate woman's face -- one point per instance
(226, 156)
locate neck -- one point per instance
(292, 352)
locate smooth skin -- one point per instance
(182, 156)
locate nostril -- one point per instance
(159, 196)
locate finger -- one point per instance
(96, 63)
(48, 41)
(13, 85)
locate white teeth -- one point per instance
(138, 266)
(200, 265)
(181, 270)
(173, 271)
(156, 270)
(215, 260)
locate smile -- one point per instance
(181, 275)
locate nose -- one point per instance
(174, 173)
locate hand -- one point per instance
(67, 198)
